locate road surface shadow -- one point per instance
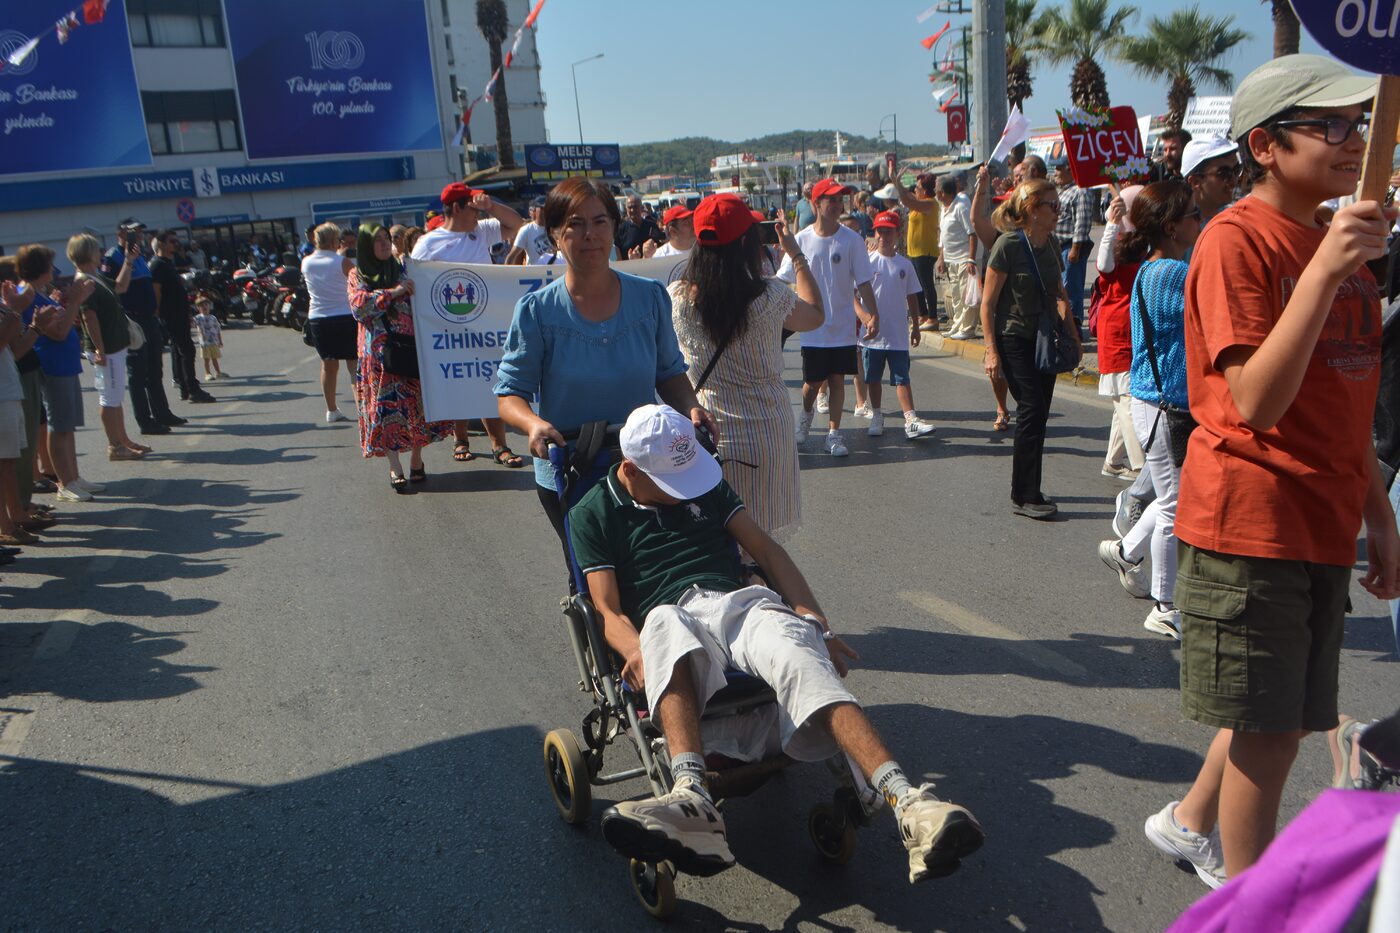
(108, 662)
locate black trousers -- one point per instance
(182, 353)
(145, 375)
(1032, 391)
(549, 500)
(928, 297)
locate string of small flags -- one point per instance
(93, 11)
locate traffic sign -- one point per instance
(184, 209)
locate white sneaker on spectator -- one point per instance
(1164, 621)
(1132, 576)
(1200, 852)
(71, 493)
(877, 424)
(87, 486)
(823, 401)
(804, 426)
(862, 411)
(835, 445)
(914, 428)
(336, 415)
(1128, 509)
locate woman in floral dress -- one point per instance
(391, 407)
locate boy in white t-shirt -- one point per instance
(896, 286)
(532, 244)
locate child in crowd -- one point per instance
(210, 338)
(1283, 347)
(896, 288)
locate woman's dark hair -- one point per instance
(727, 280)
(375, 273)
(8, 272)
(1155, 209)
(32, 261)
(567, 198)
(925, 183)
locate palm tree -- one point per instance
(1023, 29)
(1185, 47)
(1085, 32)
(492, 21)
(1285, 27)
(784, 179)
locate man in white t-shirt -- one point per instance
(957, 262)
(841, 267)
(896, 287)
(464, 236)
(680, 231)
(532, 244)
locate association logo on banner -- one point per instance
(459, 296)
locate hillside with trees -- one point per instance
(691, 155)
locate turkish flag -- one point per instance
(957, 123)
(94, 10)
(928, 42)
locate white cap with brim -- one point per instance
(662, 443)
(1200, 151)
(888, 193)
(1292, 81)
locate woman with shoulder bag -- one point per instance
(391, 397)
(1023, 285)
(729, 319)
(1167, 221)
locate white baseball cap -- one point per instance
(1202, 150)
(662, 443)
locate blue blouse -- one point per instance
(584, 371)
(56, 357)
(1161, 284)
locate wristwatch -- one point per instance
(827, 633)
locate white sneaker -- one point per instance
(804, 426)
(877, 424)
(1126, 512)
(937, 834)
(1200, 852)
(1163, 621)
(914, 428)
(835, 445)
(71, 493)
(863, 411)
(1132, 576)
(87, 486)
(336, 415)
(683, 828)
(823, 401)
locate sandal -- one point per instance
(417, 474)
(123, 453)
(463, 454)
(507, 457)
(398, 483)
(1003, 422)
(139, 448)
(37, 523)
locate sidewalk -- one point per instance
(1085, 376)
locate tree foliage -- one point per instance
(691, 155)
(493, 22)
(1186, 47)
(1085, 32)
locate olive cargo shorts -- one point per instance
(1260, 640)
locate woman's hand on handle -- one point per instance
(541, 435)
(701, 417)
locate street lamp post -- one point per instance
(577, 112)
(894, 140)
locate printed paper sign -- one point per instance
(1103, 146)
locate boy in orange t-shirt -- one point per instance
(1283, 336)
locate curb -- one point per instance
(975, 349)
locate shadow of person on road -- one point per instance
(109, 662)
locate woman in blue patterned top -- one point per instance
(592, 345)
(1168, 222)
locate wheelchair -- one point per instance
(618, 713)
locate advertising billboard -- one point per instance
(325, 77)
(72, 105)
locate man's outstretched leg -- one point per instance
(682, 827)
(938, 835)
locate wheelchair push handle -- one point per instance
(612, 432)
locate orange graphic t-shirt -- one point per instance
(1294, 492)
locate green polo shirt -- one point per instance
(657, 553)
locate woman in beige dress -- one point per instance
(724, 301)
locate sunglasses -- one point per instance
(1338, 129)
(1053, 205)
(1225, 172)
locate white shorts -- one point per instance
(12, 439)
(110, 380)
(749, 630)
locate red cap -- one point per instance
(458, 192)
(721, 219)
(675, 213)
(830, 188)
(758, 217)
(433, 223)
(887, 219)
(1001, 198)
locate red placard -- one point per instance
(957, 123)
(1104, 147)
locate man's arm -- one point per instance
(618, 630)
(867, 310)
(511, 221)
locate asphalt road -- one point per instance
(251, 688)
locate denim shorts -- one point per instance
(63, 403)
(876, 360)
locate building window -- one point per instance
(451, 58)
(176, 23)
(446, 17)
(191, 121)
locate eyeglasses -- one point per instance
(1053, 205)
(1225, 172)
(1338, 129)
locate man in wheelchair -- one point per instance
(656, 542)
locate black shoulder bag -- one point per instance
(1180, 424)
(400, 350)
(1056, 350)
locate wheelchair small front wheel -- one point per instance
(654, 883)
(568, 776)
(834, 845)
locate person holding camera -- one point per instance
(145, 369)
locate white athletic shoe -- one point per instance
(823, 401)
(336, 415)
(877, 424)
(1127, 510)
(72, 493)
(86, 486)
(682, 828)
(914, 428)
(863, 411)
(836, 445)
(804, 426)
(1163, 622)
(1132, 576)
(937, 834)
(1202, 853)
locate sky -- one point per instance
(736, 69)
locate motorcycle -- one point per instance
(198, 286)
(292, 303)
(256, 291)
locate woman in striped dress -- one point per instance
(723, 301)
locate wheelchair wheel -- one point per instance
(568, 776)
(833, 845)
(655, 886)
